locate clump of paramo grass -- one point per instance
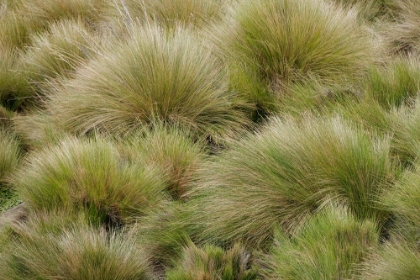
(283, 173)
(369, 10)
(403, 201)
(57, 51)
(14, 89)
(403, 36)
(36, 130)
(270, 44)
(164, 232)
(172, 150)
(395, 83)
(172, 78)
(76, 251)
(395, 260)
(329, 246)
(10, 154)
(406, 131)
(212, 263)
(169, 13)
(89, 176)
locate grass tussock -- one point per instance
(10, 154)
(406, 132)
(329, 246)
(285, 172)
(212, 263)
(89, 176)
(273, 43)
(403, 36)
(37, 130)
(169, 13)
(171, 78)
(403, 201)
(370, 10)
(164, 232)
(396, 260)
(14, 88)
(172, 150)
(57, 52)
(75, 251)
(395, 84)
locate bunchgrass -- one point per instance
(396, 83)
(403, 36)
(164, 232)
(395, 260)
(329, 246)
(76, 251)
(172, 150)
(48, 11)
(403, 201)
(285, 172)
(370, 10)
(10, 154)
(36, 129)
(406, 131)
(14, 89)
(57, 51)
(270, 44)
(92, 177)
(169, 13)
(173, 78)
(212, 263)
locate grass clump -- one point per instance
(403, 201)
(172, 150)
(172, 78)
(76, 251)
(89, 176)
(285, 172)
(273, 43)
(14, 89)
(329, 246)
(57, 51)
(36, 129)
(396, 260)
(164, 232)
(396, 83)
(169, 13)
(403, 36)
(211, 263)
(406, 132)
(10, 154)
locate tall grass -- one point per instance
(213, 263)
(172, 78)
(403, 201)
(370, 10)
(396, 260)
(36, 130)
(10, 154)
(285, 172)
(75, 252)
(395, 84)
(89, 176)
(403, 36)
(14, 89)
(329, 246)
(57, 51)
(164, 232)
(406, 132)
(270, 44)
(172, 150)
(169, 13)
